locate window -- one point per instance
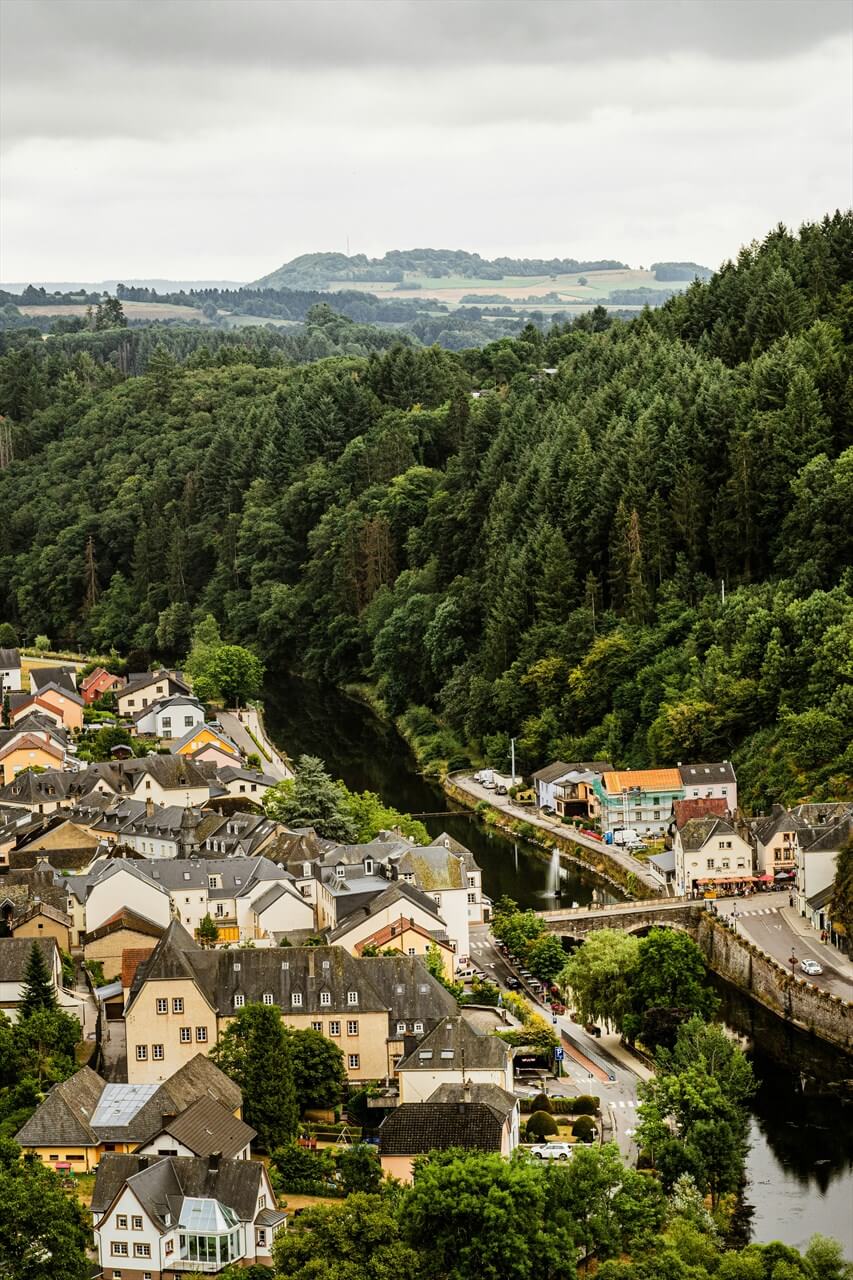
(142, 1251)
(201, 1034)
(418, 1028)
(157, 1052)
(340, 872)
(186, 1035)
(436, 897)
(317, 1026)
(136, 1222)
(262, 1202)
(401, 1028)
(169, 1247)
(325, 999)
(116, 1275)
(239, 1001)
(142, 1053)
(724, 865)
(262, 1238)
(188, 722)
(178, 1004)
(657, 813)
(162, 1006)
(237, 962)
(120, 1248)
(472, 897)
(352, 997)
(213, 882)
(353, 1062)
(710, 864)
(267, 997)
(368, 866)
(334, 1028)
(220, 909)
(352, 1027)
(121, 1219)
(411, 951)
(296, 999)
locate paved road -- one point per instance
(633, 865)
(236, 725)
(769, 922)
(618, 1097)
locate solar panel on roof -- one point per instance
(119, 1103)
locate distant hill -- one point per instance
(680, 271)
(317, 270)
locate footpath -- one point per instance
(503, 804)
(246, 729)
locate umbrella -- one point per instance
(784, 875)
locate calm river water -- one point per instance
(801, 1160)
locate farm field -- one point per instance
(515, 289)
(133, 311)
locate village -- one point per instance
(155, 901)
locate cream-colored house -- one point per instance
(184, 995)
(41, 920)
(146, 688)
(451, 1054)
(711, 855)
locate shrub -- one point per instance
(541, 1125)
(584, 1129)
(586, 1105)
(563, 1106)
(542, 1103)
(41, 644)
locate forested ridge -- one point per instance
(646, 557)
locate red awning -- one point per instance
(727, 879)
(766, 876)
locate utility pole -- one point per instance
(512, 753)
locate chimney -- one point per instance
(166, 1118)
(466, 1091)
(149, 807)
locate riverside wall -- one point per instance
(757, 975)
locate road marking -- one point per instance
(621, 1102)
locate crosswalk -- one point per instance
(758, 911)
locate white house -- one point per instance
(10, 671)
(717, 780)
(170, 718)
(146, 687)
(828, 828)
(710, 854)
(451, 1054)
(115, 884)
(154, 1216)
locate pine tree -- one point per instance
(38, 989)
(254, 1050)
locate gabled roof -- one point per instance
(399, 893)
(206, 1127)
(693, 775)
(455, 1046)
(396, 929)
(31, 742)
(490, 1095)
(168, 959)
(434, 867)
(698, 807)
(160, 1184)
(65, 1116)
(174, 700)
(61, 677)
(125, 919)
(554, 772)
(696, 833)
(15, 953)
(60, 687)
(142, 680)
(34, 788)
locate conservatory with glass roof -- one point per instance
(208, 1233)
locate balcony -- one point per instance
(201, 1268)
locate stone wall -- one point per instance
(759, 976)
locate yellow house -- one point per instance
(41, 920)
(204, 735)
(27, 752)
(83, 1117)
(408, 939)
(184, 996)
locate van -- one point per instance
(626, 835)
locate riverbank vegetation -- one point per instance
(643, 556)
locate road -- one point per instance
(536, 819)
(618, 1096)
(775, 927)
(237, 723)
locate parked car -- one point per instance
(592, 1030)
(593, 835)
(551, 1150)
(501, 790)
(513, 983)
(548, 811)
(811, 967)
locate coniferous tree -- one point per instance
(38, 989)
(254, 1050)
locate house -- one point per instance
(206, 735)
(710, 780)
(83, 1118)
(639, 799)
(574, 796)
(776, 841)
(123, 931)
(183, 995)
(14, 957)
(237, 782)
(438, 870)
(398, 900)
(451, 1054)
(57, 697)
(99, 682)
(112, 883)
(409, 939)
(710, 853)
(472, 1117)
(168, 718)
(10, 671)
(547, 781)
(27, 706)
(146, 687)
(164, 779)
(28, 751)
(61, 677)
(43, 920)
(826, 829)
(154, 1216)
(39, 792)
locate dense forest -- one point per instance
(645, 556)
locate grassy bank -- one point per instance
(436, 748)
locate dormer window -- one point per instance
(325, 999)
(401, 1028)
(340, 872)
(352, 997)
(239, 1001)
(418, 1028)
(306, 869)
(368, 866)
(186, 875)
(296, 999)
(267, 997)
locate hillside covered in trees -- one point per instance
(645, 556)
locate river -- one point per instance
(800, 1165)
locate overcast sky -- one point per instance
(202, 139)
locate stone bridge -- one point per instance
(632, 917)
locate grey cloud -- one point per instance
(328, 34)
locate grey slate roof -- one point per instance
(174, 700)
(143, 679)
(206, 1127)
(414, 1128)
(490, 1095)
(434, 867)
(237, 874)
(693, 775)
(399, 891)
(559, 769)
(65, 1115)
(160, 1184)
(454, 1045)
(10, 659)
(15, 952)
(696, 833)
(29, 789)
(61, 678)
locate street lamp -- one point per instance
(793, 960)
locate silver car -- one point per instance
(811, 967)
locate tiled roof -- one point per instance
(124, 919)
(696, 833)
(414, 1128)
(159, 1183)
(646, 779)
(698, 807)
(206, 1127)
(454, 1045)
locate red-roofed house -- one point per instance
(99, 682)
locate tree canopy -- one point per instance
(254, 1050)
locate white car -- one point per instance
(811, 967)
(551, 1150)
